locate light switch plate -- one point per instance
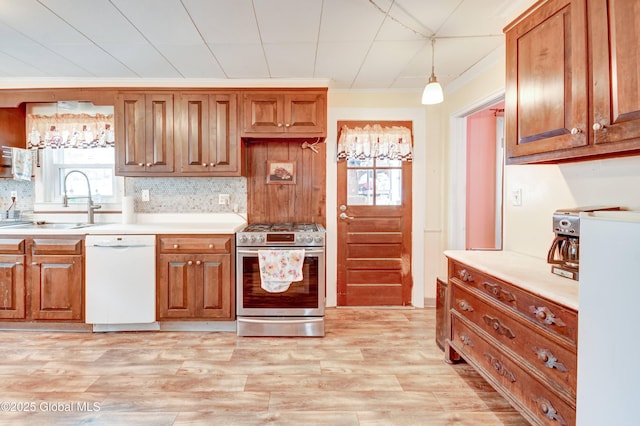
(516, 197)
(145, 195)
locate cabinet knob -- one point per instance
(279, 124)
(149, 165)
(141, 164)
(598, 126)
(204, 164)
(190, 262)
(198, 262)
(575, 131)
(287, 125)
(212, 164)
(175, 246)
(211, 246)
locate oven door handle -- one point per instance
(265, 320)
(306, 251)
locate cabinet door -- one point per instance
(305, 113)
(263, 113)
(12, 287)
(130, 133)
(615, 37)
(215, 296)
(56, 284)
(546, 81)
(159, 133)
(144, 134)
(208, 134)
(176, 286)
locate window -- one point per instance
(384, 190)
(49, 126)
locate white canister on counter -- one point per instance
(128, 210)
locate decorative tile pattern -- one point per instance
(188, 195)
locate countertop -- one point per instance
(527, 272)
(214, 223)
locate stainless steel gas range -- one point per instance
(297, 307)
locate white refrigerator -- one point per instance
(609, 319)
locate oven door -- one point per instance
(302, 298)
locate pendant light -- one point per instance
(433, 91)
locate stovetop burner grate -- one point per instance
(281, 227)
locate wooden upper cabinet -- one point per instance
(546, 79)
(282, 114)
(207, 138)
(144, 134)
(615, 37)
(572, 81)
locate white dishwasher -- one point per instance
(120, 282)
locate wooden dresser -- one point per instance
(521, 340)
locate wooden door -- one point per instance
(615, 37)
(547, 84)
(176, 286)
(304, 113)
(130, 133)
(374, 230)
(192, 127)
(263, 113)
(12, 287)
(224, 144)
(214, 297)
(159, 133)
(56, 284)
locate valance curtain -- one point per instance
(361, 143)
(70, 131)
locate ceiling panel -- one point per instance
(372, 44)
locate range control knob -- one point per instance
(309, 239)
(243, 238)
(252, 238)
(260, 238)
(318, 239)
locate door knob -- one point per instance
(345, 216)
(343, 208)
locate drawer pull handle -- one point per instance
(543, 314)
(465, 306)
(175, 246)
(465, 340)
(500, 368)
(499, 292)
(498, 327)
(210, 246)
(547, 410)
(549, 360)
(465, 275)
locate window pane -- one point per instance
(101, 181)
(389, 187)
(360, 163)
(360, 187)
(389, 163)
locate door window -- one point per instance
(383, 190)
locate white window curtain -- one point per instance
(70, 131)
(361, 143)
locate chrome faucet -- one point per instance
(90, 206)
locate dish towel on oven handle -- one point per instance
(279, 268)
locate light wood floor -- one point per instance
(374, 367)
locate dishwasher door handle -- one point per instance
(119, 245)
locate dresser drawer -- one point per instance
(187, 244)
(536, 402)
(553, 317)
(550, 355)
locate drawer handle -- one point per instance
(465, 275)
(498, 327)
(465, 306)
(543, 314)
(211, 246)
(500, 368)
(499, 292)
(547, 410)
(465, 340)
(549, 360)
(175, 246)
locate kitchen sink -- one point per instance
(52, 225)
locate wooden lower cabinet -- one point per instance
(524, 345)
(12, 279)
(42, 279)
(195, 278)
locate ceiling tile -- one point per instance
(242, 60)
(350, 20)
(385, 62)
(193, 61)
(224, 21)
(291, 60)
(340, 61)
(282, 21)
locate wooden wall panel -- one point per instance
(303, 201)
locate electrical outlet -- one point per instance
(224, 199)
(14, 194)
(516, 197)
(145, 195)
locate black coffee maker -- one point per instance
(564, 254)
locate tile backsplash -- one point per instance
(167, 195)
(188, 195)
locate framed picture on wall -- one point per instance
(281, 172)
